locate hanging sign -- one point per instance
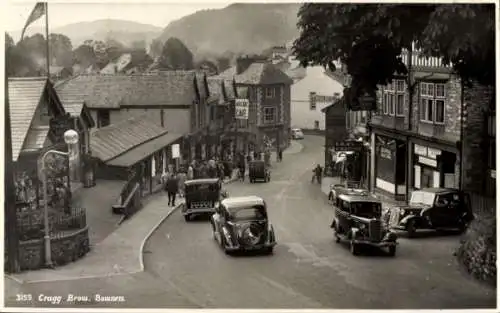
(241, 109)
(176, 153)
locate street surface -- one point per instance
(184, 267)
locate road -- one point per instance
(184, 268)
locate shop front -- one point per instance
(390, 158)
(434, 168)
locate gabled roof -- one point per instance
(112, 141)
(258, 73)
(24, 97)
(36, 138)
(113, 91)
(73, 103)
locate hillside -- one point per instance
(123, 31)
(239, 28)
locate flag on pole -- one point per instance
(37, 12)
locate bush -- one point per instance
(477, 251)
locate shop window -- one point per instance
(432, 103)
(426, 177)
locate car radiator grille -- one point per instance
(201, 204)
(375, 228)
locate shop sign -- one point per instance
(433, 153)
(241, 109)
(420, 150)
(176, 152)
(385, 153)
(427, 161)
(348, 146)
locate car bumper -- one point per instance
(251, 248)
(198, 211)
(381, 244)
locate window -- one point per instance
(269, 115)
(269, 92)
(393, 100)
(103, 118)
(312, 101)
(432, 102)
(316, 124)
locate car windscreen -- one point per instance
(250, 213)
(422, 197)
(366, 209)
(202, 187)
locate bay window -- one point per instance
(269, 115)
(394, 98)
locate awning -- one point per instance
(143, 151)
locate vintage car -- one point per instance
(346, 187)
(358, 220)
(202, 195)
(297, 133)
(432, 208)
(258, 170)
(241, 224)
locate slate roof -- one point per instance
(24, 96)
(230, 89)
(113, 91)
(258, 73)
(111, 141)
(71, 98)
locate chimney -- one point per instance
(242, 63)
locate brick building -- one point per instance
(420, 145)
(268, 90)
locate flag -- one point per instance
(37, 12)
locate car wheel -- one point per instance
(411, 229)
(354, 248)
(187, 218)
(330, 196)
(337, 238)
(269, 250)
(392, 250)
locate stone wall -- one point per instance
(65, 248)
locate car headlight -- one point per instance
(402, 211)
(362, 226)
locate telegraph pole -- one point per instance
(10, 229)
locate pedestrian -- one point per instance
(181, 179)
(220, 167)
(280, 155)
(190, 173)
(171, 187)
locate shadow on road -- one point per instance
(429, 234)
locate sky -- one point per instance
(62, 13)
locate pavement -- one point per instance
(184, 268)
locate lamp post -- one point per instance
(71, 139)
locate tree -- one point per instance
(369, 38)
(85, 56)
(155, 48)
(17, 61)
(114, 49)
(176, 56)
(61, 50)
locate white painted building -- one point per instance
(306, 113)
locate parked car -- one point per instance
(297, 133)
(258, 170)
(346, 187)
(432, 208)
(202, 195)
(241, 224)
(358, 221)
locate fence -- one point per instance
(31, 223)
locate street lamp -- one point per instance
(71, 139)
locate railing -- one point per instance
(132, 203)
(31, 223)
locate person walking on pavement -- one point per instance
(190, 173)
(172, 187)
(280, 155)
(318, 171)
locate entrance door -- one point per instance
(426, 178)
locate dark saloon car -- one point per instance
(241, 224)
(202, 196)
(358, 221)
(432, 208)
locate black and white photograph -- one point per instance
(254, 155)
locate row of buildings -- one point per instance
(440, 135)
(129, 123)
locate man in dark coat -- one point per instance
(171, 187)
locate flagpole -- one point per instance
(47, 36)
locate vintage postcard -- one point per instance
(250, 155)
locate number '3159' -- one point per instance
(24, 297)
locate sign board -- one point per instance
(176, 152)
(241, 109)
(348, 146)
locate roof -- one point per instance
(142, 151)
(438, 190)
(113, 91)
(71, 98)
(241, 202)
(202, 181)
(258, 73)
(216, 89)
(24, 96)
(36, 138)
(358, 198)
(339, 101)
(111, 141)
